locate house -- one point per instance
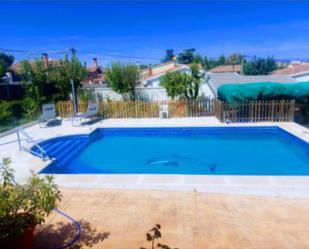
(149, 87)
(227, 69)
(150, 77)
(150, 80)
(95, 75)
(218, 79)
(297, 70)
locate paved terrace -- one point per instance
(285, 186)
(119, 219)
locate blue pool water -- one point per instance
(211, 151)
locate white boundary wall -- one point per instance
(147, 93)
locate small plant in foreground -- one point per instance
(23, 206)
(153, 235)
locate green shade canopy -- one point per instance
(263, 91)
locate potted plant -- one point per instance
(24, 206)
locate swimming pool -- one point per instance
(190, 151)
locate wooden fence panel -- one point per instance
(256, 111)
(251, 111)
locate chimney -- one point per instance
(45, 59)
(150, 70)
(95, 63)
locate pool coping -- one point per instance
(280, 186)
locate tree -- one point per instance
(76, 71)
(34, 78)
(2, 69)
(169, 55)
(259, 66)
(179, 84)
(209, 63)
(198, 59)
(234, 59)
(61, 74)
(193, 85)
(187, 56)
(5, 62)
(174, 83)
(221, 60)
(123, 78)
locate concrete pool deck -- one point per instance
(284, 186)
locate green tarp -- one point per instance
(264, 91)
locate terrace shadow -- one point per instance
(50, 236)
(53, 123)
(92, 121)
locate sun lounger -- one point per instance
(48, 114)
(92, 111)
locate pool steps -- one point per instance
(64, 149)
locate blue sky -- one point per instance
(143, 30)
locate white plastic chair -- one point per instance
(164, 112)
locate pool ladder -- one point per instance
(42, 153)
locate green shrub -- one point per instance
(16, 108)
(25, 206)
(30, 108)
(5, 112)
(85, 95)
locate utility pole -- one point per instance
(75, 105)
(74, 98)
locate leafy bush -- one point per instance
(259, 66)
(30, 108)
(179, 84)
(24, 206)
(123, 78)
(16, 109)
(5, 112)
(85, 95)
(175, 83)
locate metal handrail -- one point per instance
(42, 153)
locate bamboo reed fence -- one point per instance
(257, 111)
(252, 111)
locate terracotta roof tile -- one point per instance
(293, 69)
(173, 67)
(226, 69)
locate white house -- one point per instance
(149, 88)
(150, 77)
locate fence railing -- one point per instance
(143, 109)
(252, 111)
(257, 111)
